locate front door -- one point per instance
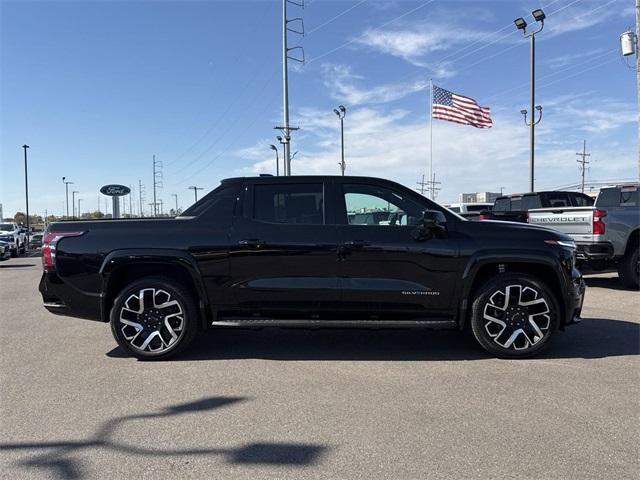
(385, 273)
(284, 256)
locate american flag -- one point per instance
(460, 109)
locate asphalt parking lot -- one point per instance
(299, 404)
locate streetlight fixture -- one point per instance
(195, 191)
(73, 202)
(521, 24)
(66, 187)
(275, 149)
(26, 191)
(341, 111)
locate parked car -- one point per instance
(515, 208)
(12, 233)
(470, 211)
(606, 234)
(36, 240)
(5, 250)
(280, 251)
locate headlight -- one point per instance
(562, 243)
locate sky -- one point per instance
(96, 88)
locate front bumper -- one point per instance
(574, 298)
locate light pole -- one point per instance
(79, 200)
(195, 191)
(175, 196)
(73, 202)
(26, 190)
(341, 111)
(521, 24)
(274, 148)
(66, 187)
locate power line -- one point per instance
(339, 47)
(322, 25)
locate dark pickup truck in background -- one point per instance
(515, 208)
(293, 251)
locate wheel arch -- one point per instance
(484, 267)
(122, 267)
(633, 240)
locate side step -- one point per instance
(310, 323)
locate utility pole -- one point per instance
(26, 190)
(141, 197)
(195, 191)
(275, 149)
(175, 196)
(422, 184)
(286, 128)
(73, 202)
(161, 207)
(66, 187)
(433, 187)
(341, 111)
(157, 183)
(583, 162)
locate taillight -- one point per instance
(598, 223)
(484, 215)
(49, 241)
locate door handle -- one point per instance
(251, 242)
(356, 243)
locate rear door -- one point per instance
(284, 254)
(384, 272)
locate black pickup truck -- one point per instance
(296, 252)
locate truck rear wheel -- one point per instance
(154, 318)
(514, 316)
(629, 269)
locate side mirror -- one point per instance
(433, 223)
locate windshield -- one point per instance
(6, 227)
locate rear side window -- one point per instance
(581, 200)
(516, 204)
(618, 197)
(289, 203)
(531, 201)
(502, 205)
(218, 204)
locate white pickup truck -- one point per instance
(13, 234)
(606, 234)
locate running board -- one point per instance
(310, 323)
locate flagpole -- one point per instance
(431, 133)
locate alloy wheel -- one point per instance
(517, 317)
(151, 320)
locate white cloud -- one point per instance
(341, 84)
(569, 59)
(415, 43)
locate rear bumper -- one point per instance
(594, 251)
(63, 299)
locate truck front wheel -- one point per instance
(514, 316)
(629, 269)
(154, 318)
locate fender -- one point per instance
(119, 258)
(486, 257)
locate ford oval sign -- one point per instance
(115, 190)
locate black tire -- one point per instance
(629, 269)
(23, 248)
(521, 324)
(182, 318)
(14, 252)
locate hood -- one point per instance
(514, 230)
